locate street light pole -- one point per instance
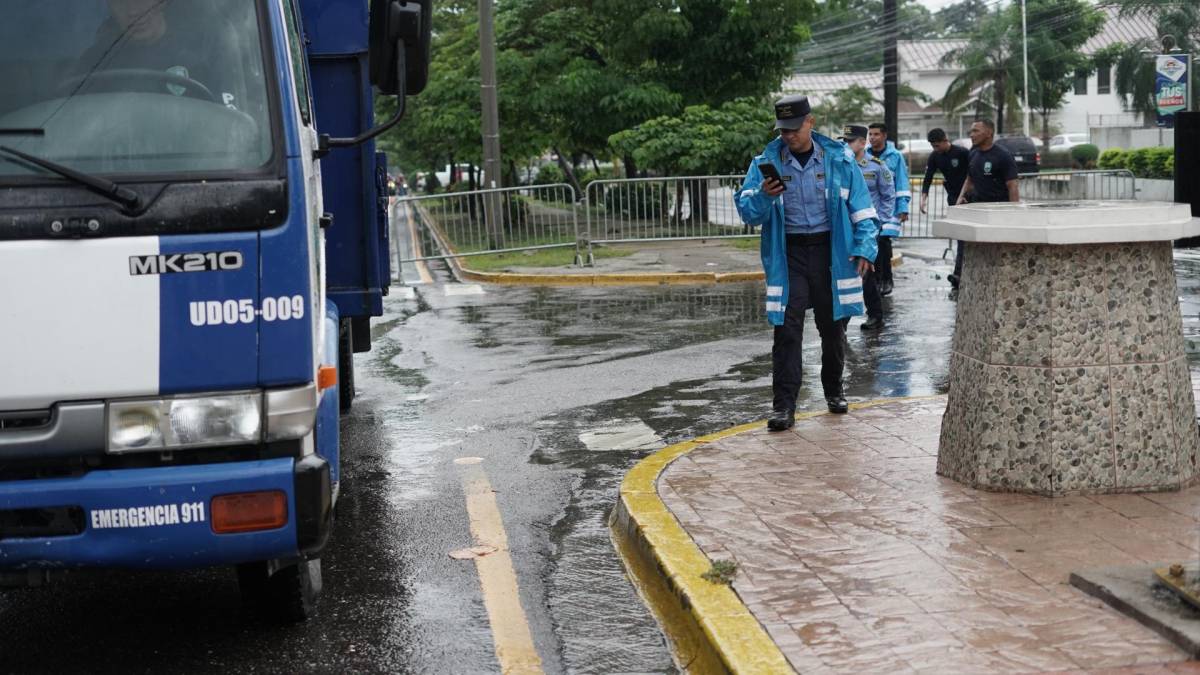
(491, 120)
(1025, 49)
(891, 71)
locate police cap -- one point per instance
(853, 131)
(790, 112)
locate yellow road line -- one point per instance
(498, 579)
(422, 268)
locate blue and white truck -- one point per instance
(193, 238)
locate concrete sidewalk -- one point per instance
(854, 556)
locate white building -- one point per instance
(1094, 107)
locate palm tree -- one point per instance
(991, 68)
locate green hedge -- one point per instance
(1085, 155)
(1143, 162)
(1113, 158)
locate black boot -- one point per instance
(837, 404)
(872, 323)
(782, 420)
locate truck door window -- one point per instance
(135, 86)
(299, 72)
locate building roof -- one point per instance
(819, 86)
(1127, 29)
(925, 55)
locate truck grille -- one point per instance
(58, 521)
(24, 419)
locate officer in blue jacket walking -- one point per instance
(818, 240)
(887, 153)
(883, 195)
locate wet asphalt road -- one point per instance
(559, 391)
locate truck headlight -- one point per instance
(185, 421)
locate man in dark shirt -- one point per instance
(991, 175)
(951, 161)
(992, 172)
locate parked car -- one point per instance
(916, 146)
(962, 143)
(1064, 142)
(1023, 150)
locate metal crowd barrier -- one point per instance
(661, 209)
(1033, 187)
(503, 220)
(461, 224)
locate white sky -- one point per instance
(935, 5)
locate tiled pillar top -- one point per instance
(1068, 222)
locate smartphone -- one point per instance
(768, 170)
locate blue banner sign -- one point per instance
(1171, 93)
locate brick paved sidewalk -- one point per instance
(856, 557)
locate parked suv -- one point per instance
(1023, 151)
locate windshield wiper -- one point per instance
(106, 188)
(21, 131)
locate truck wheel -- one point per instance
(289, 595)
(345, 366)
(293, 591)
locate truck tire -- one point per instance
(345, 365)
(294, 590)
(289, 595)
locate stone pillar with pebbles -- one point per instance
(1068, 373)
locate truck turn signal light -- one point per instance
(249, 512)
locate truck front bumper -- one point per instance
(159, 517)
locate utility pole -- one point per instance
(493, 212)
(891, 70)
(1025, 49)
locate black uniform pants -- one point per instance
(883, 261)
(871, 295)
(810, 284)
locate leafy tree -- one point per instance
(1135, 74)
(961, 18)
(1057, 30)
(572, 73)
(848, 106)
(701, 141)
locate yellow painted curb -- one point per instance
(608, 279)
(617, 278)
(710, 629)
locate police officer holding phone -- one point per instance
(818, 240)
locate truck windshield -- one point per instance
(133, 86)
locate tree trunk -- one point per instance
(1046, 131)
(595, 165)
(630, 166)
(698, 202)
(568, 171)
(999, 97)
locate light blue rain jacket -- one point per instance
(852, 221)
(895, 163)
(879, 184)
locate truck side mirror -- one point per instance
(398, 51)
(398, 60)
